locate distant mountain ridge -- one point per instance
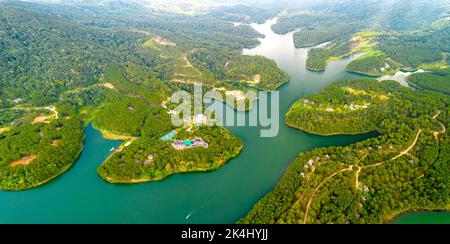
(190, 7)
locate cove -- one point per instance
(221, 196)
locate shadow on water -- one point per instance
(221, 196)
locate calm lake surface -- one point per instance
(424, 217)
(222, 196)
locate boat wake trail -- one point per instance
(199, 208)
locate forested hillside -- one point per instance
(406, 168)
(42, 56)
(32, 154)
(114, 65)
(410, 34)
(64, 46)
(233, 67)
(431, 81)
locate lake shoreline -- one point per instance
(62, 172)
(390, 219)
(331, 134)
(163, 177)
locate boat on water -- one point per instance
(112, 149)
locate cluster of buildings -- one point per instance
(187, 144)
(311, 164)
(352, 107)
(306, 102)
(183, 144)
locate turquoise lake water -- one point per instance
(424, 217)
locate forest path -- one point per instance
(308, 205)
(358, 172)
(444, 129)
(49, 108)
(188, 63)
(411, 147)
(403, 153)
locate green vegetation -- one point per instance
(430, 81)
(150, 159)
(65, 47)
(114, 64)
(341, 109)
(233, 67)
(42, 56)
(386, 52)
(408, 36)
(315, 28)
(31, 155)
(372, 181)
(132, 112)
(373, 64)
(412, 50)
(318, 58)
(8, 116)
(115, 68)
(129, 116)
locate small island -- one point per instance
(153, 159)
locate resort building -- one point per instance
(366, 188)
(17, 100)
(187, 144)
(257, 79)
(149, 159)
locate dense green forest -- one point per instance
(132, 111)
(335, 19)
(8, 116)
(114, 68)
(359, 106)
(62, 54)
(114, 63)
(213, 28)
(372, 181)
(410, 35)
(373, 64)
(234, 67)
(390, 51)
(414, 49)
(312, 29)
(318, 58)
(150, 159)
(431, 81)
(41, 56)
(32, 154)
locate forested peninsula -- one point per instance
(405, 168)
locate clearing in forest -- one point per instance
(24, 161)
